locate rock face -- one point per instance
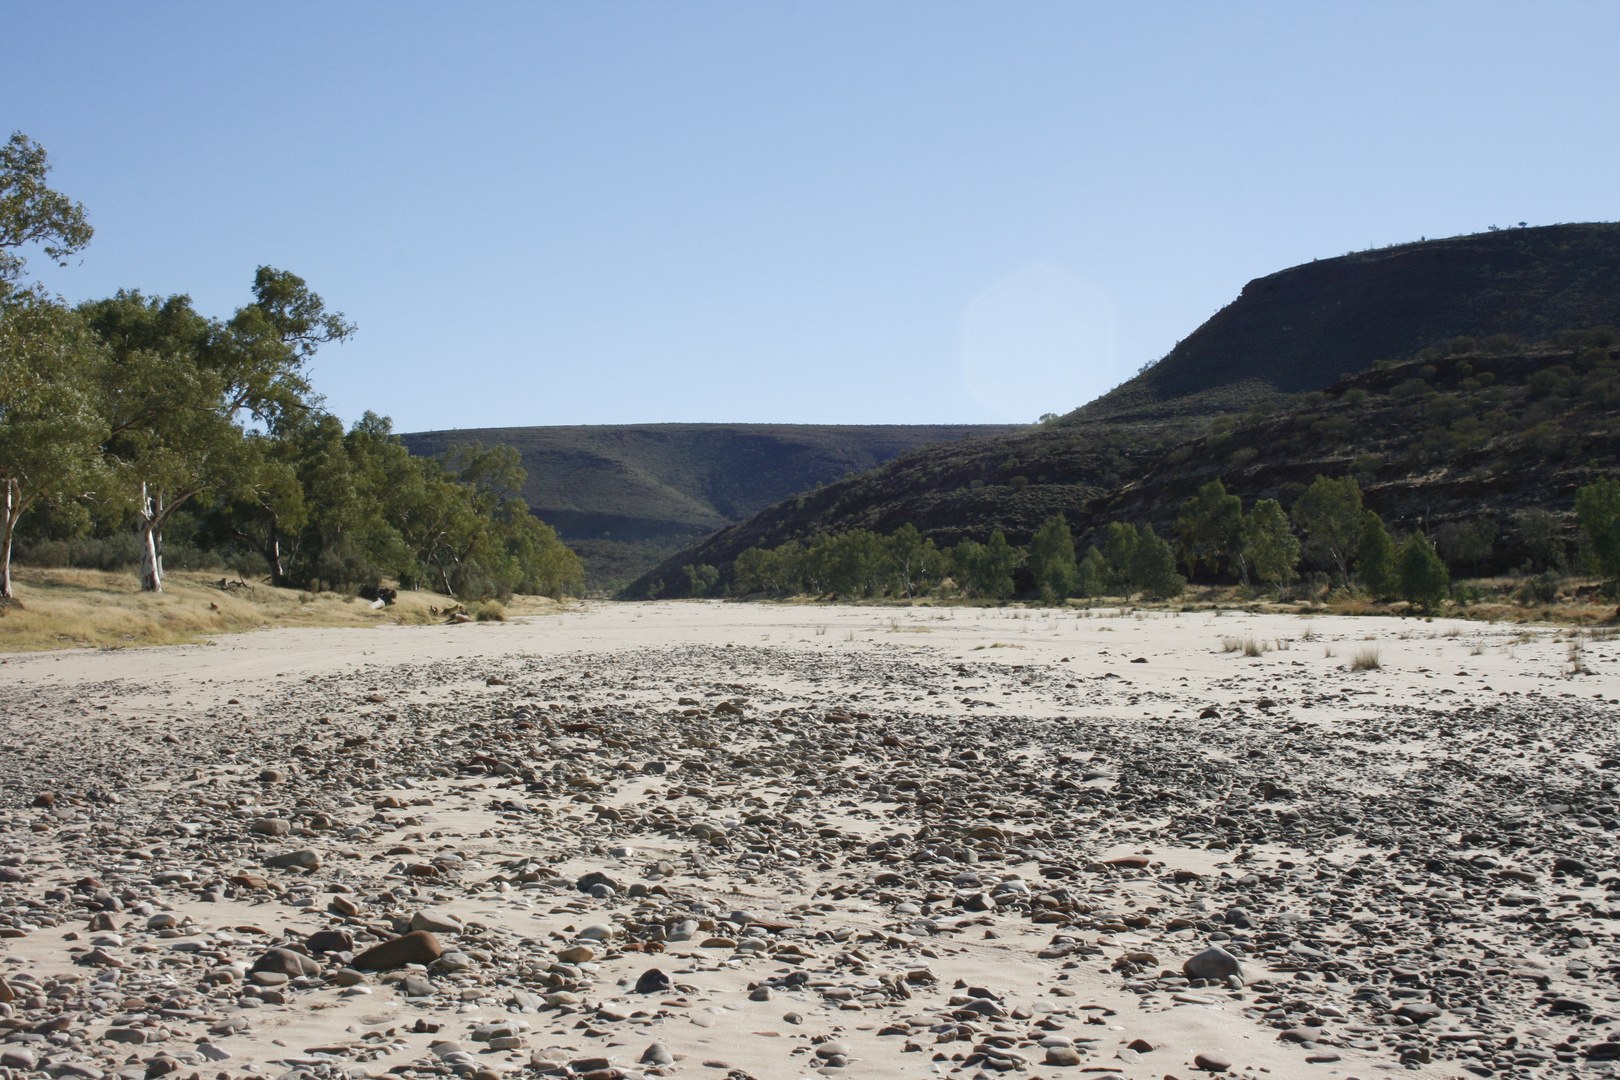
(417, 947)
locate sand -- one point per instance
(857, 841)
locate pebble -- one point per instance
(1062, 1056)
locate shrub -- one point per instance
(119, 551)
(1375, 557)
(1421, 575)
(1152, 568)
(1597, 509)
(1540, 588)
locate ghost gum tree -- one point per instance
(180, 388)
(48, 425)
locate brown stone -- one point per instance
(418, 947)
(286, 962)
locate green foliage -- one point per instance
(1119, 551)
(987, 569)
(1471, 541)
(915, 564)
(1375, 557)
(852, 564)
(1330, 514)
(1051, 559)
(1138, 561)
(150, 400)
(700, 578)
(1093, 574)
(1152, 567)
(1209, 527)
(1269, 544)
(1541, 535)
(1420, 573)
(32, 213)
(50, 422)
(1597, 512)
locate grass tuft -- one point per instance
(1365, 659)
(487, 610)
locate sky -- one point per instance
(789, 212)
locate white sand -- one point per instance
(1031, 674)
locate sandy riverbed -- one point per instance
(864, 841)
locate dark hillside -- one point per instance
(1012, 482)
(1302, 328)
(1433, 442)
(1295, 332)
(626, 494)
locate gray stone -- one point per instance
(286, 962)
(1212, 965)
(1418, 1012)
(302, 859)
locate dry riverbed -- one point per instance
(702, 839)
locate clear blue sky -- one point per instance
(816, 212)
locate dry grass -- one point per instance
(1365, 659)
(1248, 645)
(68, 609)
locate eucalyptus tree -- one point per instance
(1330, 512)
(31, 213)
(50, 423)
(179, 390)
(48, 420)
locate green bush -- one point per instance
(1421, 573)
(1540, 588)
(120, 551)
(1597, 510)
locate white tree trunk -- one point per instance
(151, 569)
(6, 525)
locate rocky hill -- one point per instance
(1279, 385)
(623, 495)
(1303, 328)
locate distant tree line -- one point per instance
(1215, 536)
(131, 418)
